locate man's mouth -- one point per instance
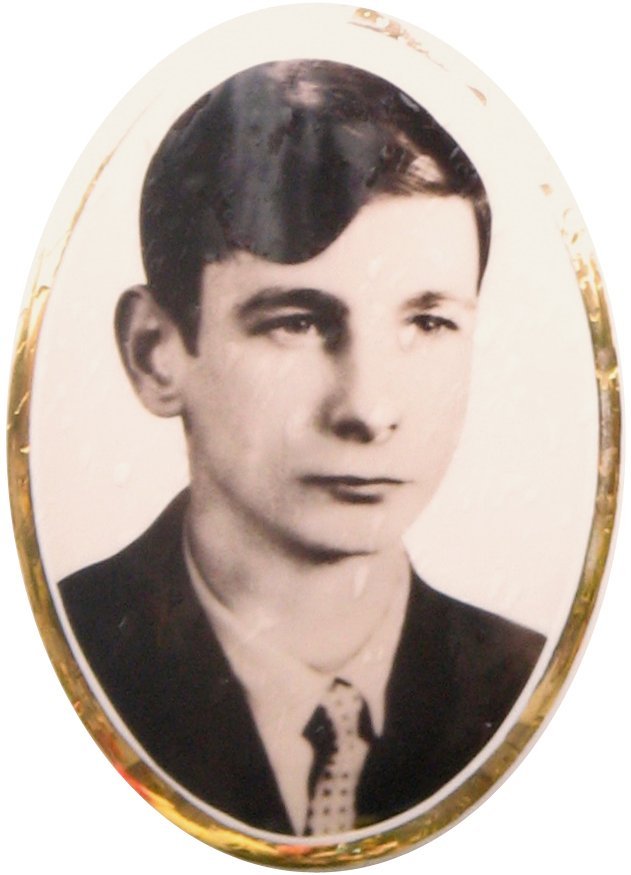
(352, 489)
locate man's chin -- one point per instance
(320, 548)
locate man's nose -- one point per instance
(362, 405)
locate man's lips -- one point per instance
(349, 480)
(353, 489)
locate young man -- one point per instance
(314, 244)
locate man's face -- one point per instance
(326, 398)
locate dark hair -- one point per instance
(276, 161)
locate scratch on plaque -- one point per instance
(479, 94)
(88, 191)
(571, 234)
(23, 401)
(372, 20)
(84, 199)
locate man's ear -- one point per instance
(152, 350)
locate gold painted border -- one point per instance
(390, 842)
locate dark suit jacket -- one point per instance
(457, 672)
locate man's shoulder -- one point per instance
(141, 556)
(484, 651)
(457, 673)
(482, 626)
(104, 599)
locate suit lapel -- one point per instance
(402, 765)
(199, 727)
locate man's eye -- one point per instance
(291, 327)
(298, 324)
(429, 323)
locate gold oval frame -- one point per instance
(388, 842)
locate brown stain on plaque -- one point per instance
(391, 28)
(479, 94)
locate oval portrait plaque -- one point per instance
(318, 364)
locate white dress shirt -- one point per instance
(283, 692)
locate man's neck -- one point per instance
(321, 610)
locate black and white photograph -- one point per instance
(315, 438)
(314, 245)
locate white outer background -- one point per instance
(64, 66)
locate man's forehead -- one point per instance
(399, 246)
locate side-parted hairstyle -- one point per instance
(277, 161)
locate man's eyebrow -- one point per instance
(279, 296)
(429, 300)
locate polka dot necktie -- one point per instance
(340, 732)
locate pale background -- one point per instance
(564, 72)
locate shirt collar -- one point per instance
(283, 692)
(264, 669)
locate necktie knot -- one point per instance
(340, 732)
